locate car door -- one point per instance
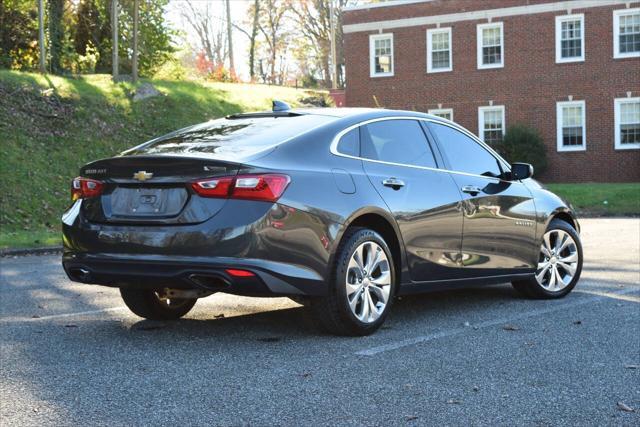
(424, 200)
(499, 214)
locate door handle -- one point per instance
(394, 183)
(471, 189)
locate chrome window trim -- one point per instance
(336, 139)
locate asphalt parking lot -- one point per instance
(72, 355)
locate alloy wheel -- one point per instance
(558, 260)
(368, 282)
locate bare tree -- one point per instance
(209, 28)
(313, 18)
(271, 24)
(254, 12)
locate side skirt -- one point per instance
(443, 285)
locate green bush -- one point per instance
(524, 144)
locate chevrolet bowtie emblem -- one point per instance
(142, 175)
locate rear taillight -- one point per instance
(265, 187)
(85, 188)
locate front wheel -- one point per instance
(362, 288)
(559, 264)
(154, 305)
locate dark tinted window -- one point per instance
(465, 154)
(350, 143)
(397, 141)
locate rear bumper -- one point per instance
(156, 272)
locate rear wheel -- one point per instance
(153, 305)
(362, 288)
(559, 264)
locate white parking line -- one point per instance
(489, 323)
(60, 316)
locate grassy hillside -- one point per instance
(50, 126)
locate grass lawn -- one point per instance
(50, 126)
(594, 199)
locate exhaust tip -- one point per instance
(211, 282)
(80, 274)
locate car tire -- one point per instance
(559, 264)
(149, 305)
(358, 301)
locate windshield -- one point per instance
(230, 138)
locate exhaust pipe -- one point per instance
(209, 281)
(80, 274)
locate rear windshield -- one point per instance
(230, 138)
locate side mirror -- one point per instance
(521, 171)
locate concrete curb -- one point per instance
(48, 250)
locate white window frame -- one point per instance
(616, 109)
(479, 29)
(559, 146)
(616, 33)
(559, 20)
(481, 111)
(430, 34)
(436, 111)
(372, 55)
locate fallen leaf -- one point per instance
(623, 407)
(510, 328)
(454, 402)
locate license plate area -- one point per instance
(147, 202)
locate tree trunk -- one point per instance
(56, 34)
(114, 43)
(43, 57)
(230, 39)
(252, 39)
(134, 59)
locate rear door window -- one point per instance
(397, 141)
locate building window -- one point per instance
(490, 46)
(445, 113)
(627, 123)
(381, 53)
(439, 50)
(491, 124)
(570, 38)
(571, 126)
(626, 33)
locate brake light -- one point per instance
(218, 187)
(85, 188)
(265, 187)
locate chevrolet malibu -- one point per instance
(340, 209)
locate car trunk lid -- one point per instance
(153, 189)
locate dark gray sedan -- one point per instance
(340, 209)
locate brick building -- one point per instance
(570, 69)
